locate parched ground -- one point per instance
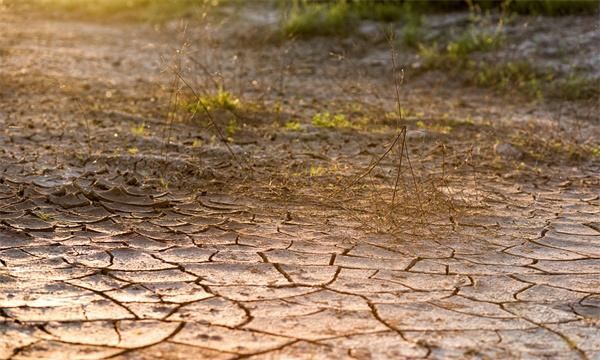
(130, 230)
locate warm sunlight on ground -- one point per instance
(194, 179)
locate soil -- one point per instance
(134, 228)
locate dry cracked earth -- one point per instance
(98, 262)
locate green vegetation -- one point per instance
(438, 128)
(456, 52)
(133, 150)
(473, 41)
(520, 75)
(231, 128)
(43, 216)
(532, 7)
(576, 87)
(412, 32)
(292, 125)
(221, 100)
(330, 121)
(555, 7)
(538, 83)
(553, 148)
(139, 130)
(309, 18)
(316, 171)
(148, 10)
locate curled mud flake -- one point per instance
(10, 238)
(119, 195)
(6, 192)
(70, 200)
(11, 213)
(30, 223)
(128, 208)
(26, 205)
(217, 202)
(205, 220)
(108, 227)
(88, 212)
(50, 181)
(162, 235)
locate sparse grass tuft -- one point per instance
(316, 171)
(473, 41)
(221, 100)
(292, 125)
(438, 128)
(139, 130)
(552, 146)
(456, 53)
(519, 74)
(538, 83)
(328, 120)
(231, 128)
(576, 87)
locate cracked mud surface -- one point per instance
(98, 260)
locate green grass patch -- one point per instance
(473, 41)
(456, 52)
(327, 120)
(554, 148)
(222, 99)
(325, 18)
(530, 7)
(456, 58)
(139, 130)
(147, 10)
(538, 83)
(555, 7)
(412, 33)
(308, 19)
(576, 87)
(438, 128)
(316, 171)
(519, 74)
(292, 125)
